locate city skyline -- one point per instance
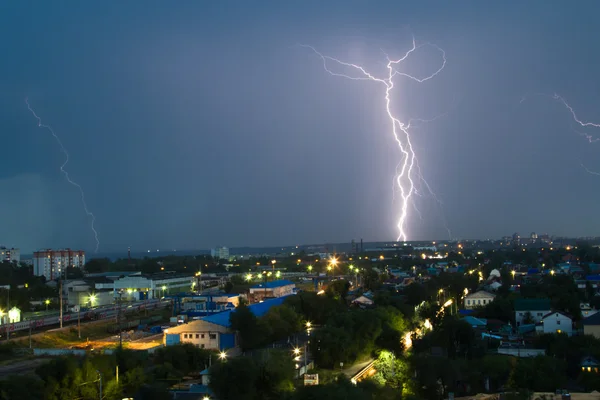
(198, 126)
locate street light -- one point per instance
(222, 355)
(92, 299)
(296, 351)
(249, 277)
(47, 302)
(308, 324)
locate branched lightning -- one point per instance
(66, 174)
(409, 170)
(583, 124)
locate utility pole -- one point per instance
(78, 321)
(30, 325)
(119, 320)
(60, 297)
(100, 381)
(8, 314)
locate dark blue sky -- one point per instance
(202, 123)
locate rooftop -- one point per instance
(258, 309)
(592, 320)
(273, 284)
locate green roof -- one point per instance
(532, 305)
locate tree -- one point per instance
(268, 375)
(241, 370)
(184, 358)
(21, 387)
(96, 265)
(246, 324)
(280, 322)
(338, 290)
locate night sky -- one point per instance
(192, 124)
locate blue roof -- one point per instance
(475, 321)
(466, 312)
(273, 284)
(592, 278)
(258, 309)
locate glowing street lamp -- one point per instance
(296, 351)
(308, 324)
(513, 272)
(310, 267)
(278, 274)
(222, 355)
(47, 302)
(552, 272)
(249, 277)
(92, 299)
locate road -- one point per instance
(21, 367)
(355, 369)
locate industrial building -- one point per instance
(214, 332)
(128, 286)
(52, 263)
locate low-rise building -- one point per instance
(149, 286)
(557, 322)
(478, 299)
(531, 310)
(214, 331)
(272, 289)
(591, 325)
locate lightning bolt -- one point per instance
(583, 124)
(408, 174)
(66, 174)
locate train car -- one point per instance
(98, 313)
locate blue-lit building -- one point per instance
(214, 331)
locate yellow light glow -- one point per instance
(222, 355)
(407, 340)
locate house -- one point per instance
(273, 289)
(589, 364)
(214, 332)
(363, 302)
(557, 322)
(586, 310)
(531, 309)
(591, 325)
(478, 299)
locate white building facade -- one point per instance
(220, 253)
(52, 263)
(10, 255)
(557, 322)
(478, 299)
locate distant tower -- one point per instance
(129, 254)
(353, 247)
